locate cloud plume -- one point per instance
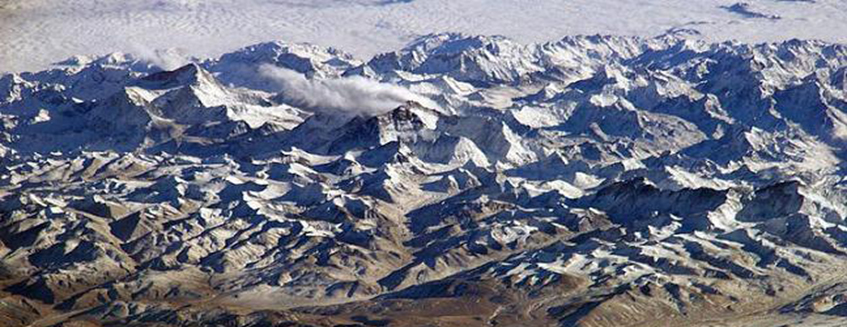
(166, 59)
(348, 96)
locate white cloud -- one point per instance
(348, 96)
(169, 59)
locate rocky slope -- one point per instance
(463, 180)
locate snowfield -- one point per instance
(36, 33)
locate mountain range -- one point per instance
(460, 181)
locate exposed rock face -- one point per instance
(590, 181)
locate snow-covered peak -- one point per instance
(239, 68)
(473, 59)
